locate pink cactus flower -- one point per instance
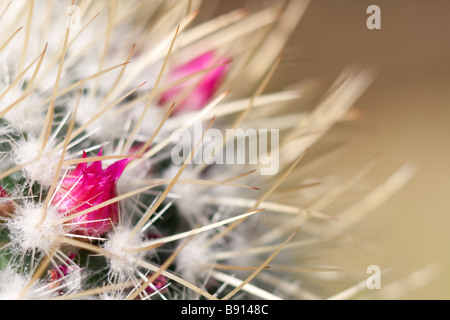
(85, 187)
(58, 273)
(7, 206)
(204, 89)
(159, 283)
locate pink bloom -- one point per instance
(158, 284)
(7, 206)
(88, 186)
(205, 88)
(58, 273)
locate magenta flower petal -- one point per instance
(59, 272)
(205, 88)
(158, 284)
(7, 206)
(96, 166)
(86, 187)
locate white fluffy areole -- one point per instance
(29, 231)
(192, 260)
(122, 260)
(12, 284)
(39, 168)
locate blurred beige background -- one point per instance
(406, 117)
(406, 114)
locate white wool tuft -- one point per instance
(122, 262)
(40, 169)
(12, 284)
(27, 230)
(192, 259)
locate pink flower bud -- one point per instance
(159, 283)
(88, 186)
(59, 272)
(205, 88)
(7, 206)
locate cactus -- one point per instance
(92, 203)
